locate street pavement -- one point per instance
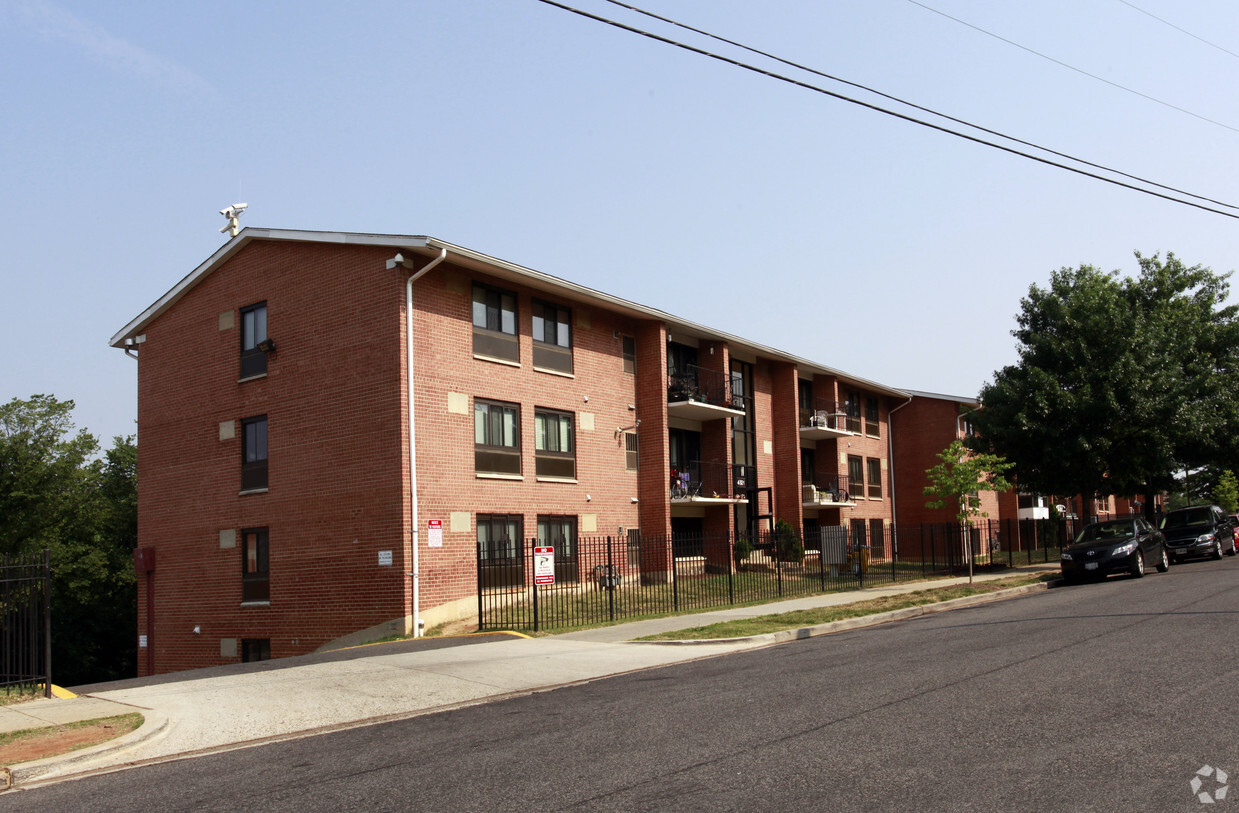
(207, 710)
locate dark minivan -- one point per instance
(1198, 531)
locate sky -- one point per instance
(751, 205)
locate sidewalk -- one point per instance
(213, 709)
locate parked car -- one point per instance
(1234, 520)
(1198, 531)
(1114, 546)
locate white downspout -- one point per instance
(890, 455)
(399, 261)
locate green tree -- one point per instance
(956, 481)
(1120, 382)
(1226, 492)
(56, 493)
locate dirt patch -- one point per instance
(25, 746)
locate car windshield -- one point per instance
(1182, 519)
(1117, 529)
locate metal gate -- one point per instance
(26, 622)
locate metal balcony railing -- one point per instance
(696, 383)
(710, 479)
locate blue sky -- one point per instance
(769, 211)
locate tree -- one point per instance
(1226, 492)
(1120, 382)
(960, 477)
(958, 480)
(56, 493)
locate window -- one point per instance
(875, 478)
(856, 477)
(877, 540)
(254, 453)
(804, 400)
(552, 337)
(808, 467)
(631, 456)
(501, 561)
(255, 649)
(555, 446)
(629, 351)
(254, 344)
(496, 437)
(560, 533)
(494, 323)
(851, 408)
(255, 575)
(872, 429)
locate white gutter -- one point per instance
(399, 261)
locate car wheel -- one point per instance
(1138, 568)
(1217, 549)
(1164, 564)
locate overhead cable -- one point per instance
(1074, 68)
(915, 106)
(815, 88)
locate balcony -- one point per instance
(826, 420)
(710, 483)
(702, 395)
(831, 494)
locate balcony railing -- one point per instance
(704, 386)
(825, 420)
(710, 480)
(833, 491)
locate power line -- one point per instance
(1180, 30)
(1074, 68)
(915, 106)
(805, 85)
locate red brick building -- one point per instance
(290, 500)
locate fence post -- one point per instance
(530, 574)
(732, 566)
(611, 576)
(47, 621)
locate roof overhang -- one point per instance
(494, 267)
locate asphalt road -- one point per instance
(1099, 697)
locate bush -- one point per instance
(787, 544)
(741, 552)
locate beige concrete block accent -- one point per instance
(227, 647)
(587, 421)
(589, 523)
(767, 446)
(226, 320)
(883, 464)
(227, 430)
(457, 403)
(227, 538)
(461, 522)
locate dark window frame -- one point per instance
(255, 649)
(501, 556)
(256, 566)
(565, 544)
(632, 452)
(495, 314)
(873, 412)
(554, 462)
(254, 451)
(856, 476)
(490, 457)
(873, 477)
(552, 336)
(628, 352)
(851, 408)
(253, 335)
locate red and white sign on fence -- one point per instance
(544, 565)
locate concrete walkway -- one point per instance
(206, 710)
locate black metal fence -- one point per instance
(603, 579)
(25, 622)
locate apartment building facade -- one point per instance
(333, 428)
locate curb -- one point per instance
(153, 724)
(859, 621)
